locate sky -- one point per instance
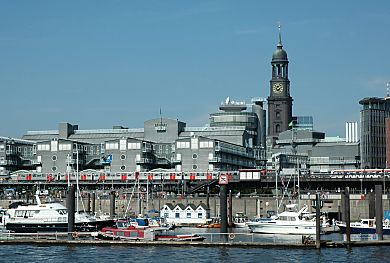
(104, 63)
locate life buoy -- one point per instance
(75, 235)
(232, 235)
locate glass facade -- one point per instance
(373, 113)
(303, 122)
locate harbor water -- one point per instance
(86, 254)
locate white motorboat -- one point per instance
(46, 217)
(240, 220)
(287, 222)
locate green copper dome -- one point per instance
(279, 54)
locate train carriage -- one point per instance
(360, 173)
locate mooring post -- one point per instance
(378, 211)
(223, 211)
(318, 221)
(371, 205)
(70, 202)
(89, 203)
(347, 217)
(339, 212)
(208, 197)
(93, 202)
(342, 206)
(215, 205)
(139, 206)
(112, 204)
(230, 210)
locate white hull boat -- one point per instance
(287, 222)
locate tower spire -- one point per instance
(280, 35)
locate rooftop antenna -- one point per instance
(387, 90)
(160, 116)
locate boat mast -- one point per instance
(276, 191)
(77, 178)
(147, 195)
(67, 168)
(295, 156)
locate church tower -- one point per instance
(279, 100)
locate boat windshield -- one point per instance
(62, 211)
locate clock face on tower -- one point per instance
(277, 88)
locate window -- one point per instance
(112, 146)
(43, 147)
(200, 215)
(123, 167)
(54, 158)
(178, 156)
(54, 168)
(54, 145)
(206, 144)
(188, 215)
(177, 215)
(122, 145)
(194, 167)
(194, 156)
(20, 213)
(183, 145)
(134, 145)
(194, 143)
(211, 156)
(123, 157)
(64, 147)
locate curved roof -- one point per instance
(280, 54)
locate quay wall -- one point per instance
(251, 206)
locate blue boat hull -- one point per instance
(364, 230)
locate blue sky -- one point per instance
(104, 63)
